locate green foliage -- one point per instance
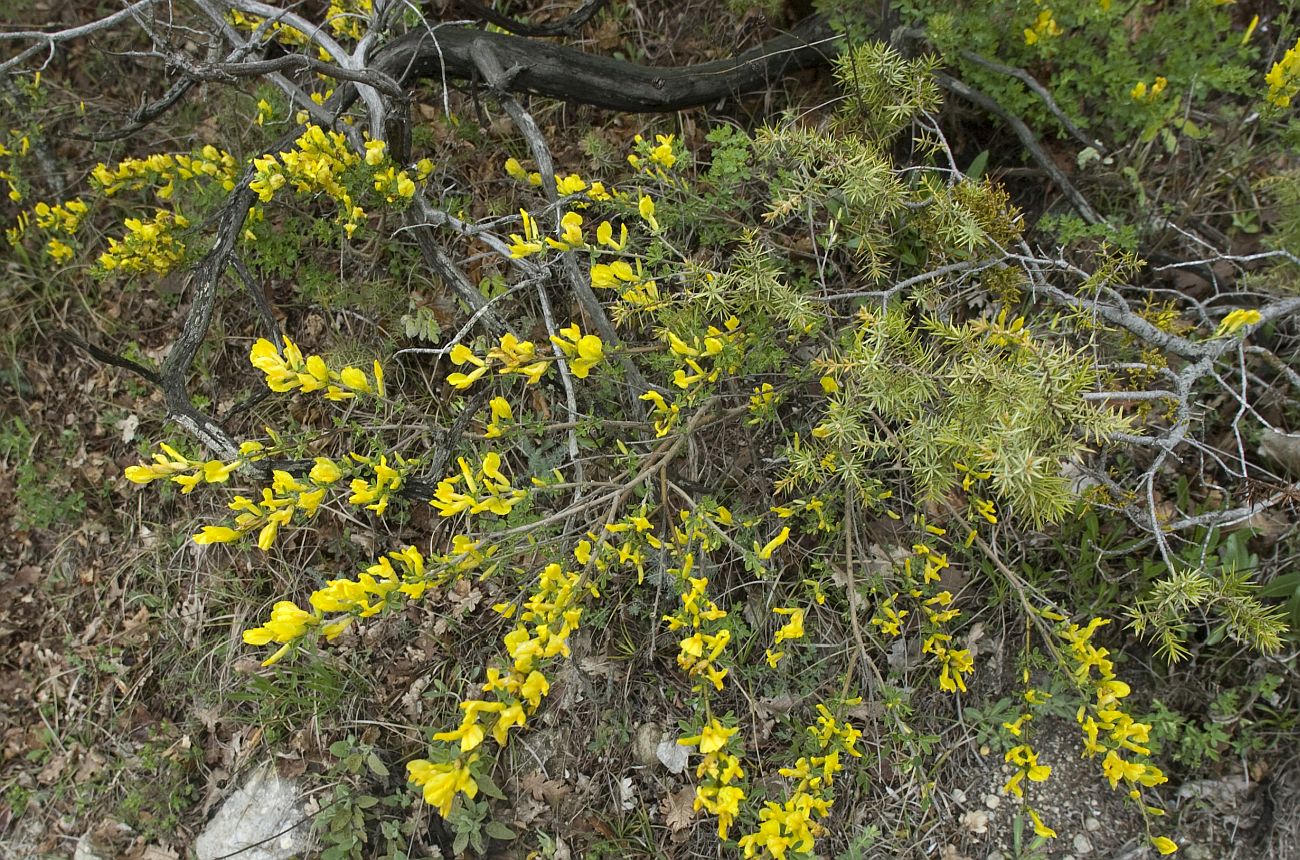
(1097, 58)
(42, 502)
(351, 818)
(1223, 587)
(1239, 721)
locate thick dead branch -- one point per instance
(568, 73)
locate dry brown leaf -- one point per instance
(541, 788)
(679, 809)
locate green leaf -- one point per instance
(488, 787)
(497, 830)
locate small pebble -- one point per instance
(1082, 844)
(1091, 824)
(958, 796)
(992, 801)
(976, 821)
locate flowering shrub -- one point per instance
(788, 392)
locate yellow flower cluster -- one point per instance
(583, 351)
(654, 160)
(1043, 28)
(350, 19)
(1025, 759)
(162, 171)
(173, 466)
(710, 346)
(400, 575)
(698, 652)
(565, 185)
(666, 414)
(792, 629)
(1284, 78)
(808, 508)
(488, 491)
(147, 245)
(285, 497)
(717, 772)
(320, 162)
(1140, 92)
(290, 371)
(19, 145)
(499, 410)
(283, 33)
(513, 355)
(936, 607)
(549, 617)
(640, 292)
(1107, 729)
(629, 550)
(59, 222)
(792, 826)
(376, 493)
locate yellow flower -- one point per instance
(534, 688)
(512, 716)
(712, 737)
(465, 380)
(287, 623)
(663, 153)
(570, 233)
(605, 235)
(583, 351)
(375, 151)
(793, 629)
(571, 184)
(1236, 320)
(325, 471)
(516, 170)
(355, 379)
(1164, 845)
(216, 534)
(646, 207)
(1040, 828)
(530, 242)
(1044, 27)
(442, 782)
(765, 552)
(1284, 78)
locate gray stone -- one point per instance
(263, 820)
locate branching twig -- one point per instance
(1028, 141)
(1040, 91)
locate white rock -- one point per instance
(1091, 824)
(1082, 844)
(992, 801)
(646, 744)
(263, 820)
(672, 755)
